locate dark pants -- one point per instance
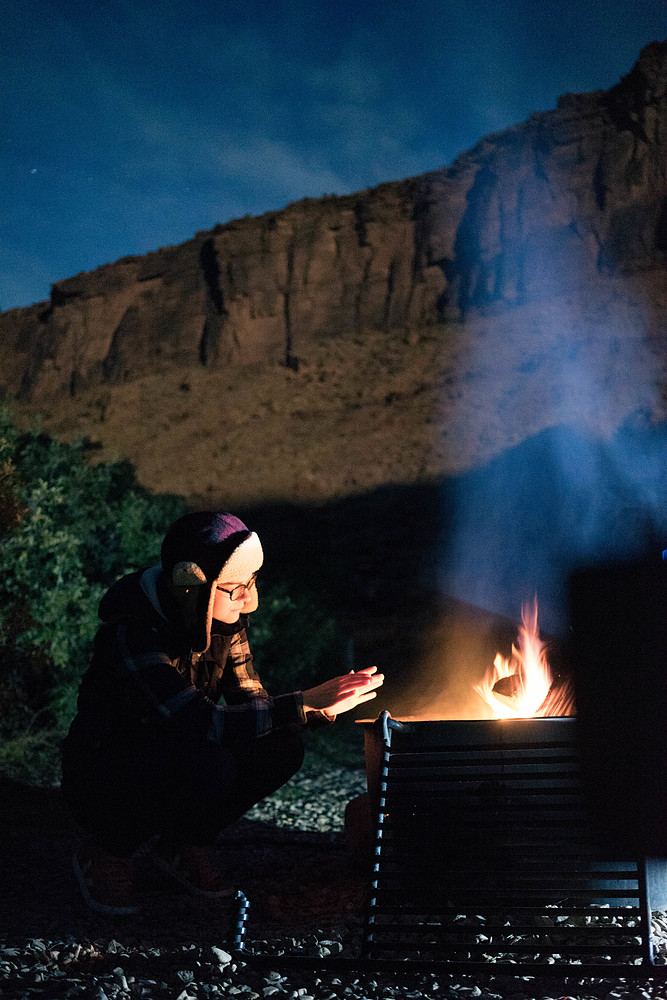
(130, 788)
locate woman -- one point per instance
(151, 756)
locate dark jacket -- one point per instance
(145, 676)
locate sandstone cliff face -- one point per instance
(555, 203)
(563, 197)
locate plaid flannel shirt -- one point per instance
(184, 688)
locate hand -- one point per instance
(341, 694)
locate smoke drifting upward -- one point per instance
(562, 499)
(518, 528)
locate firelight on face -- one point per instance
(227, 606)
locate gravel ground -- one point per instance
(306, 897)
(312, 800)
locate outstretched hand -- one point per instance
(341, 694)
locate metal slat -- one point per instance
(486, 925)
(489, 881)
(518, 947)
(521, 844)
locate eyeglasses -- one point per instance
(237, 592)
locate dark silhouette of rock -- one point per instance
(561, 201)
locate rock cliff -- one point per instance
(559, 202)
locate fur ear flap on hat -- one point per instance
(187, 574)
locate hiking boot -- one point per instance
(105, 881)
(193, 867)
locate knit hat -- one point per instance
(201, 550)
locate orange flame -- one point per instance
(517, 688)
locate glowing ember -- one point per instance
(517, 688)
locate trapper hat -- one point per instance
(201, 550)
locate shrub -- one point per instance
(67, 531)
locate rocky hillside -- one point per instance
(556, 205)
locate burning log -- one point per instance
(523, 686)
(508, 687)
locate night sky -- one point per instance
(127, 126)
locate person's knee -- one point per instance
(209, 771)
(289, 750)
(271, 760)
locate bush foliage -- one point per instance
(68, 529)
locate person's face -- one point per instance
(233, 598)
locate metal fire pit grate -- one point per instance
(483, 854)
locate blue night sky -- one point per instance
(130, 125)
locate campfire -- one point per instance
(522, 686)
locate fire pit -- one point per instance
(483, 851)
(487, 844)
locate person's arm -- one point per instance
(143, 661)
(341, 694)
(320, 704)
